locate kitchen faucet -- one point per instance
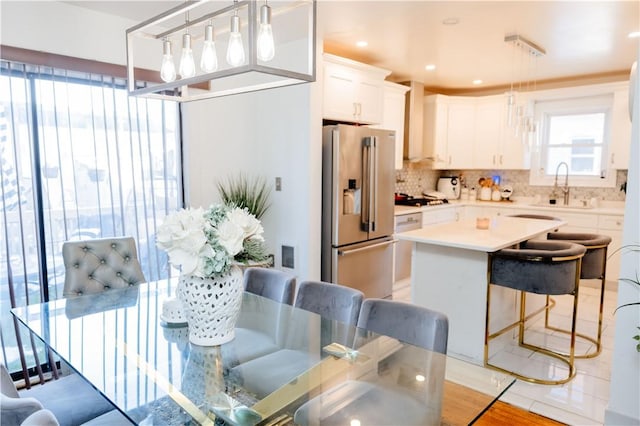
(565, 188)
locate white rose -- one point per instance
(182, 236)
(230, 237)
(250, 226)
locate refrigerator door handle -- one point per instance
(361, 249)
(373, 200)
(367, 158)
(335, 153)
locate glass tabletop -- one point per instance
(285, 366)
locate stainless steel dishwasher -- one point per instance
(403, 223)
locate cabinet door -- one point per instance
(435, 131)
(620, 131)
(460, 129)
(369, 99)
(339, 93)
(393, 117)
(488, 133)
(612, 226)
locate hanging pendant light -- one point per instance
(209, 58)
(187, 65)
(266, 46)
(168, 68)
(235, 50)
(250, 46)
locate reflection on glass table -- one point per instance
(149, 370)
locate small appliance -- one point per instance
(449, 186)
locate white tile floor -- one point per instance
(583, 400)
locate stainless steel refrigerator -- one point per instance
(358, 183)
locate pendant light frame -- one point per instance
(253, 75)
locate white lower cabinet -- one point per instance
(441, 215)
(612, 226)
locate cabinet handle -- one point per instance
(457, 217)
(501, 159)
(449, 159)
(613, 158)
(355, 109)
(494, 160)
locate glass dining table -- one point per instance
(285, 366)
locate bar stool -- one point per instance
(594, 266)
(540, 267)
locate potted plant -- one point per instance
(633, 281)
(247, 192)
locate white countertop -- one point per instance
(614, 208)
(503, 232)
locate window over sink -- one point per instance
(576, 132)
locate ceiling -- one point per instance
(581, 38)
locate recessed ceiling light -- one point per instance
(634, 34)
(430, 67)
(451, 21)
(362, 43)
(476, 82)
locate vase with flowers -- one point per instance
(207, 245)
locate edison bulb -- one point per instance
(209, 58)
(235, 50)
(187, 65)
(168, 68)
(266, 48)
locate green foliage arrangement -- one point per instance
(243, 191)
(633, 281)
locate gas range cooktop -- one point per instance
(419, 202)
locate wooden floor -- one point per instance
(501, 414)
(460, 405)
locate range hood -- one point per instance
(413, 122)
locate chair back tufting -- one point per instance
(93, 266)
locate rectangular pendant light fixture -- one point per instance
(248, 45)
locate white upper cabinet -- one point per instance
(393, 115)
(353, 92)
(620, 130)
(470, 133)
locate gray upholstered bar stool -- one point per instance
(594, 267)
(540, 267)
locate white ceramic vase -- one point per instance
(212, 306)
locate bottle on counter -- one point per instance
(473, 194)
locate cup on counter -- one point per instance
(482, 222)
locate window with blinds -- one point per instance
(79, 159)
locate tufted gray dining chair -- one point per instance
(66, 401)
(93, 266)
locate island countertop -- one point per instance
(503, 232)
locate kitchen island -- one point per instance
(449, 273)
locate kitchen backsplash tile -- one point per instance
(415, 178)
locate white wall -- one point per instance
(273, 133)
(624, 400)
(64, 29)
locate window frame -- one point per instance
(598, 102)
